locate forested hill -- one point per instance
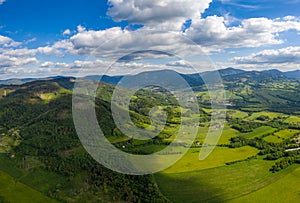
(47, 155)
(39, 146)
(193, 79)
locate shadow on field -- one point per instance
(178, 189)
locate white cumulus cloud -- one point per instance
(289, 55)
(254, 32)
(67, 32)
(169, 14)
(8, 42)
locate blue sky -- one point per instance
(47, 19)
(44, 38)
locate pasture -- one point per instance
(271, 115)
(287, 133)
(285, 189)
(237, 114)
(13, 191)
(219, 157)
(227, 133)
(292, 120)
(273, 139)
(220, 183)
(258, 132)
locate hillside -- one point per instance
(42, 155)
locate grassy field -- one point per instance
(13, 191)
(36, 178)
(43, 181)
(219, 157)
(292, 120)
(258, 132)
(287, 133)
(273, 139)
(227, 133)
(238, 114)
(271, 115)
(219, 184)
(47, 97)
(285, 189)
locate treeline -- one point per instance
(272, 151)
(47, 132)
(289, 158)
(242, 126)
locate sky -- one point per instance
(64, 37)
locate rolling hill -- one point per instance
(41, 155)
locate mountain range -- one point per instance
(192, 79)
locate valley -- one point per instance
(255, 157)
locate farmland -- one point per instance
(270, 193)
(219, 157)
(258, 132)
(41, 155)
(218, 184)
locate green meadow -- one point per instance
(227, 133)
(237, 114)
(221, 183)
(292, 120)
(258, 132)
(271, 115)
(15, 192)
(287, 133)
(273, 139)
(219, 157)
(285, 189)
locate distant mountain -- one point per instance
(290, 74)
(230, 71)
(16, 81)
(193, 79)
(293, 74)
(256, 76)
(113, 80)
(21, 81)
(273, 71)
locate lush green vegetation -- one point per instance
(258, 132)
(287, 133)
(283, 190)
(220, 157)
(273, 139)
(41, 156)
(13, 191)
(218, 184)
